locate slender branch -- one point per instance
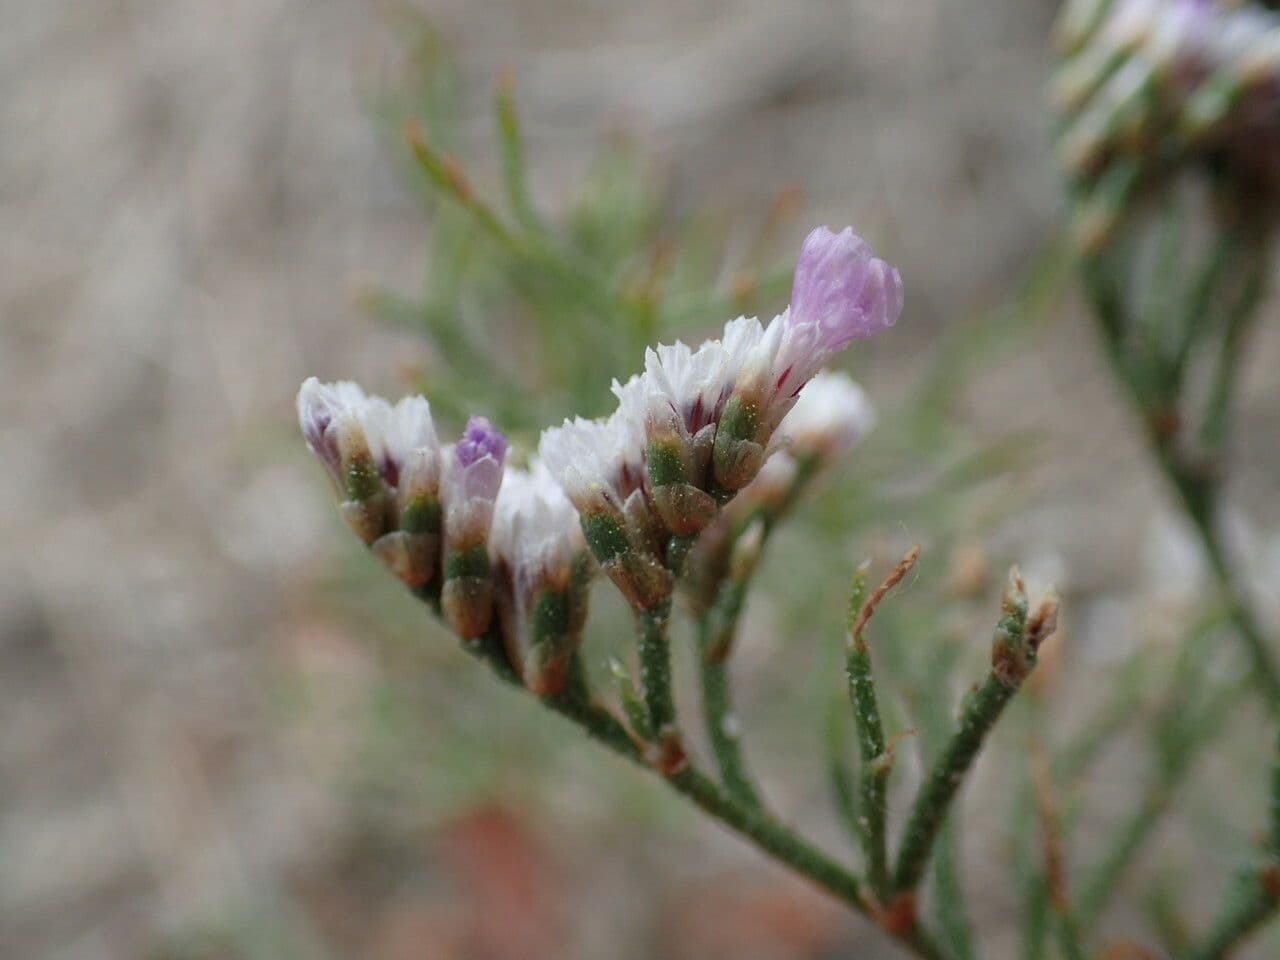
(513, 165)
(1256, 896)
(978, 714)
(1055, 869)
(721, 723)
(1013, 655)
(1252, 903)
(1239, 319)
(843, 790)
(756, 826)
(952, 916)
(1201, 505)
(1181, 736)
(876, 761)
(717, 629)
(1193, 480)
(655, 666)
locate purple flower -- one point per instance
(481, 438)
(842, 290)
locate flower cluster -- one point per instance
(1148, 87)
(695, 427)
(509, 553)
(831, 415)
(425, 511)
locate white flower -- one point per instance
(543, 573)
(535, 527)
(599, 462)
(693, 384)
(323, 409)
(392, 434)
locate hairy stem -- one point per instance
(876, 761)
(722, 725)
(655, 667)
(755, 825)
(978, 715)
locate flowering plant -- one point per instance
(676, 490)
(673, 496)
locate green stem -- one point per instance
(952, 916)
(1200, 498)
(1254, 900)
(1130, 839)
(513, 165)
(1182, 737)
(754, 825)
(874, 771)
(655, 667)
(978, 714)
(1193, 480)
(840, 776)
(717, 712)
(1213, 431)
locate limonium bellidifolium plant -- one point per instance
(1169, 138)
(1170, 141)
(675, 492)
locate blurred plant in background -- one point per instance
(1173, 204)
(1170, 138)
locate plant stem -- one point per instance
(1200, 500)
(874, 771)
(513, 166)
(978, 715)
(839, 774)
(1130, 839)
(722, 732)
(1256, 898)
(1253, 902)
(760, 828)
(952, 916)
(1055, 870)
(876, 761)
(1015, 642)
(1193, 479)
(1181, 735)
(655, 667)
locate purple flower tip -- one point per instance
(481, 439)
(842, 289)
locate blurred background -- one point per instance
(225, 734)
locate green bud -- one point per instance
(472, 562)
(664, 463)
(421, 516)
(605, 535)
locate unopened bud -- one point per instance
(467, 596)
(553, 642)
(367, 501)
(1042, 622)
(642, 579)
(684, 508)
(736, 462)
(410, 556)
(1011, 656)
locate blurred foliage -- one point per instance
(529, 314)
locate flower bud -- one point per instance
(472, 478)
